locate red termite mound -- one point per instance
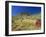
(38, 22)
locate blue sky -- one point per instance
(18, 9)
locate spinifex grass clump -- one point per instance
(25, 21)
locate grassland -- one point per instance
(25, 22)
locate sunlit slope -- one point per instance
(25, 22)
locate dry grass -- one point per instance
(25, 22)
